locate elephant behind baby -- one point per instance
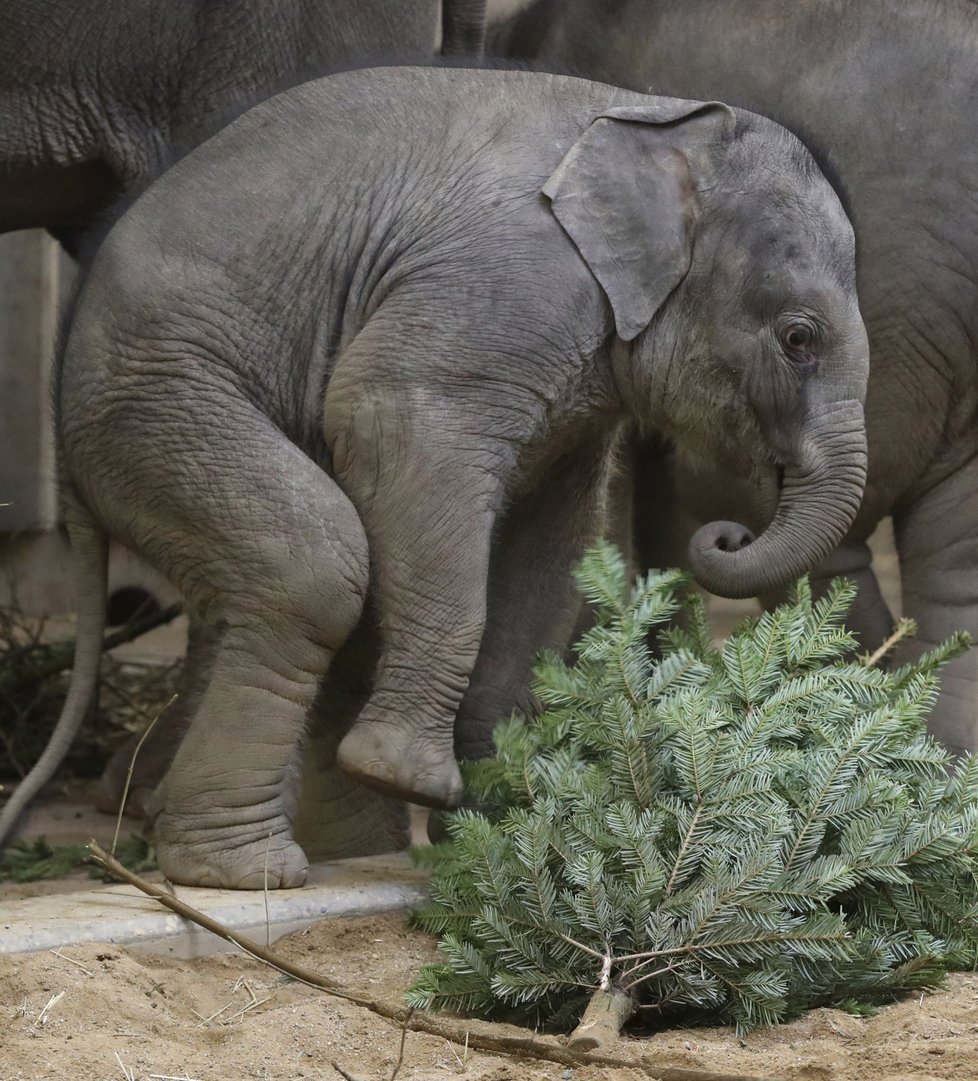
(362, 337)
(97, 96)
(885, 89)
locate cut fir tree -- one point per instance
(737, 833)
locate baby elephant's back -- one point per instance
(329, 160)
(276, 226)
(339, 156)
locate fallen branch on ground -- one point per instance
(478, 1035)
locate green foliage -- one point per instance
(742, 832)
(29, 861)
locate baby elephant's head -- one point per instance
(729, 266)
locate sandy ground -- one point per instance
(96, 1013)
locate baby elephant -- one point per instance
(383, 330)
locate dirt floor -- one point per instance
(95, 1013)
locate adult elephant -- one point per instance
(885, 90)
(99, 96)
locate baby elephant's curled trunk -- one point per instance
(819, 499)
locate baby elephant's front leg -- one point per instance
(426, 496)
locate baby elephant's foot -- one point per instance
(400, 764)
(247, 857)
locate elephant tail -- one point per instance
(89, 549)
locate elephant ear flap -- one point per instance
(625, 193)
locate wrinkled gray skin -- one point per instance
(886, 88)
(96, 98)
(464, 28)
(96, 95)
(393, 299)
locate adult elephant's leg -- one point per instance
(937, 542)
(534, 603)
(269, 552)
(661, 527)
(156, 750)
(463, 30)
(869, 617)
(336, 816)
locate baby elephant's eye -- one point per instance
(797, 337)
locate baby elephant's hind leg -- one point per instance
(271, 554)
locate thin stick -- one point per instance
(628, 983)
(255, 1001)
(125, 1070)
(903, 628)
(580, 945)
(64, 957)
(132, 766)
(268, 929)
(217, 1013)
(244, 1009)
(339, 1069)
(400, 1054)
(465, 1052)
(446, 1028)
(172, 902)
(42, 1017)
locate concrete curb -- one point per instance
(121, 915)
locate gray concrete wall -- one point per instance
(29, 302)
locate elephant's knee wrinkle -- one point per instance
(324, 612)
(336, 622)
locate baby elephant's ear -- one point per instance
(625, 193)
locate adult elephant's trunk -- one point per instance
(819, 500)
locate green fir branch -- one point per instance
(735, 834)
